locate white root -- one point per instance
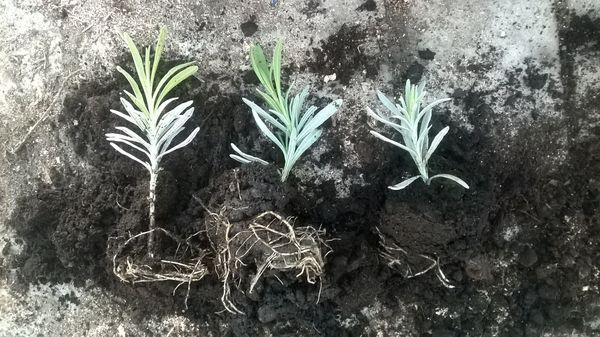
(182, 269)
(396, 258)
(281, 246)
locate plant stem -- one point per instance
(152, 225)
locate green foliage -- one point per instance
(148, 112)
(292, 129)
(413, 124)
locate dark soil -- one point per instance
(369, 5)
(249, 27)
(519, 246)
(341, 54)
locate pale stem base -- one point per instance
(151, 216)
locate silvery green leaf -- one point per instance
(451, 177)
(138, 98)
(239, 159)
(421, 89)
(165, 142)
(129, 143)
(404, 183)
(273, 104)
(306, 143)
(385, 121)
(139, 117)
(307, 116)
(246, 156)
(118, 148)
(435, 142)
(320, 118)
(170, 117)
(157, 126)
(262, 113)
(424, 131)
(174, 128)
(291, 145)
(403, 147)
(283, 119)
(402, 104)
(405, 124)
(182, 144)
(159, 111)
(422, 144)
(265, 130)
(432, 105)
(134, 136)
(164, 79)
(296, 106)
(138, 103)
(388, 103)
(124, 116)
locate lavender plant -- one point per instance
(413, 124)
(153, 125)
(292, 129)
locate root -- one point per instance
(182, 268)
(397, 259)
(271, 243)
(289, 248)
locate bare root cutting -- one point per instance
(398, 258)
(185, 267)
(271, 242)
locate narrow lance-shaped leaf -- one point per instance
(403, 147)
(387, 103)
(435, 142)
(165, 78)
(451, 177)
(116, 139)
(185, 142)
(160, 44)
(262, 113)
(305, 144)
(261, 69)
(404, 183)
(138, 98)
(118, 148)
(147, 72)
(265, 130)
(246, 156)
(272, 104)
(239, 158)
(175, 80)
(137, 60)
(291, 146)
(385, 121)
(320, 118)
(177, 126)
(307, 116)
(276, 73)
